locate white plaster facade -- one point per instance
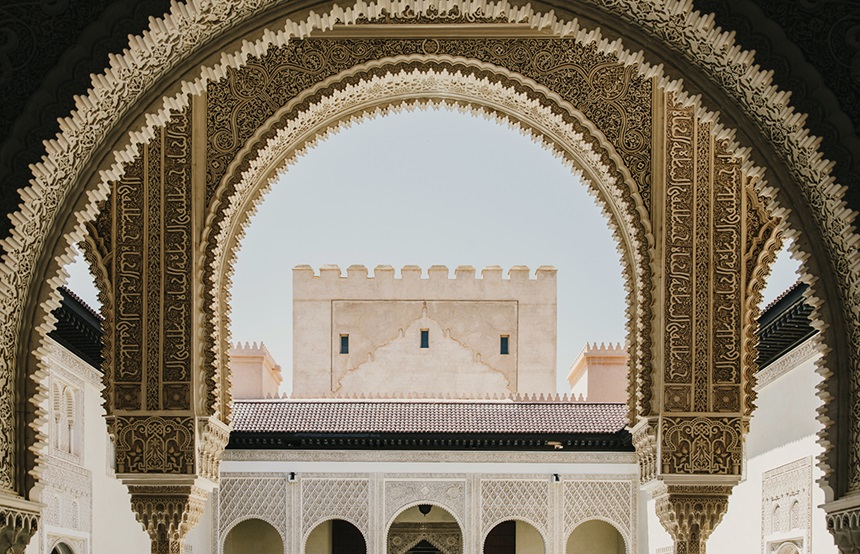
(89, 511)
(464, 319)
(479, 489)
(776, 507)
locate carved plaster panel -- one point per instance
(786, 506)
(527, 500)
(259, 496)
(613, 500)
(335, 497)
(406, 491)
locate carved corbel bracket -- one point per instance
(844, 524)
(645, 443)
(20, 521)
(213, 437)
(167, 513)
(690, 513)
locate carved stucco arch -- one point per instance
(436, 504)
(321, 520)
(419, 80)
(539, 528)
(615, 525)
(246, 517)
(66, 187)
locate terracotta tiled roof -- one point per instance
(381, 416)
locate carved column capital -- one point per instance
(167, 513)
(690, 513)
(844, 524)
(20, 521)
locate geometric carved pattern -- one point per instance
(258, 497)
(604, 89)
(401, 493)
(610, 501)
(503, 500)
(154, 56)
(786, 506)
(154, 444)
(335, 498)
(447, 538)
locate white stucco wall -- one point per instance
(465, 317)
(108, 505)
(476, 489)
(782, 431)
(781, 449)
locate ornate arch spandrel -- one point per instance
(627, 98)
(68, 166)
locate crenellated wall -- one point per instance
(464, 317)
(255, 374)
(599, 373)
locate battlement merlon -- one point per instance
(249, 352)
(595, 354)
(438, 284)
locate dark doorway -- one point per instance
(502, 539)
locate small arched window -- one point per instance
(71, 420)
(794, 514)
(62, 548)
(58, 417)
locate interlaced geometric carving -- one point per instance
(335, 498)
(786, 504)
(449, 494)
(260, 497)
(446, 537)
(515, 499)
(172, 42)
(133, 75)
(610, 501)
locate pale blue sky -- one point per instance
(425, 188)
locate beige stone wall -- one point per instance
(254, 372)
(599, 373)
(464, 318)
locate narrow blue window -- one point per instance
(425, 338)
(503, 345)
(344, 344)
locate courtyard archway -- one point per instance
(688, 146)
